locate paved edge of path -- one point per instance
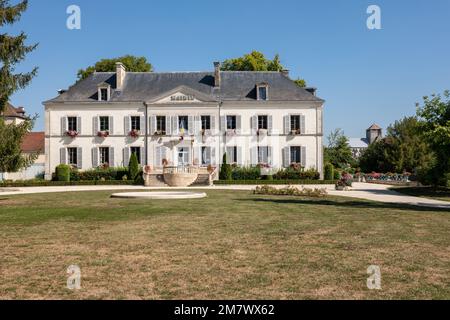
(366, 191)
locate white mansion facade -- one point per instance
(184, 118)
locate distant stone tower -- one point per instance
(374, 133)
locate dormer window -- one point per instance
(104, 93)
(262, 92)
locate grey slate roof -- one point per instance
(146, 86)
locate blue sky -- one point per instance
(364, 75)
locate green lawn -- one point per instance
(427, 192)
(232, 244)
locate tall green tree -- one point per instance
(403, 149)
(338, 151)
(12, 51)
(11, 157)
(131, 63)
(256, 61)
(435, 113)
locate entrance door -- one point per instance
(183, 156)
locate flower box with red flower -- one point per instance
(160, 133)
(103, 134)
(296, 132)
(134, 133)
(72, 133)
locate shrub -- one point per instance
(63, 173)
(133, 169)
(336, 175)
(225, 170)
(329, 171)
(246, 173)
(297, 174)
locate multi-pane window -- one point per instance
(104, 155)
(231, 122)
(183, 156)
(295, 123)
(72, 156)
(206, 122)
(262, 93)
(137, 152)
(104, 94)
(161, 124)
(72, 123)
(136, 123)
(262, 122)
(296, 154)
(263, 155)
(183, 123)
(104, 123)
(232, 155)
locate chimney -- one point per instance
(285, 72)
(120, 75)
(21, 110)
(217, 74)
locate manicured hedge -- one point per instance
(274, 182)
(64, 183)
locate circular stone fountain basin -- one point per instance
(160, 195)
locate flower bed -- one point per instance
(291, 191)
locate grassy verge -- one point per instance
(233, 244)
(427, 192)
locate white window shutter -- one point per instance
(197, 124)
(127, 125)
(303, 157)
(191, 129)
(143, 123)
(238, 124)
(126, 156)
(286, 157)
(213, 155)
(157, 159)
(269, 124)
(112, 162)
(213, 124)
(269, 155)
(175, 126)
(143, 162)
(111, 125)
(80, 158)
(63, 125)
(239, 156)
(255, 123)
(95, 157)
(197, 155)
(229, 154)
(254, 156)
(79, 125)
(189, 156)
(168, 126)
(287, 124)
(63, 156)
(95, 125)
(153, 126)
(223, 124)
(302, 124)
